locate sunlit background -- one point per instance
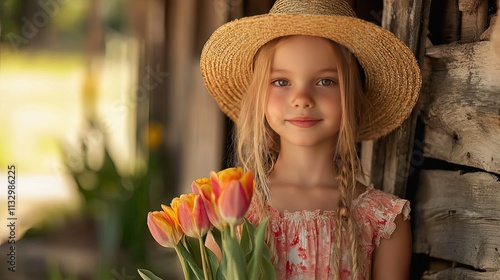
(104, 115)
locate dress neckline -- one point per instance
(315, 212)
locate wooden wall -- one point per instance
(456, 208)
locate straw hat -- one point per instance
(393, 76)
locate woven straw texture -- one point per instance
(393, 76)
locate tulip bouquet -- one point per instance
(217, 205)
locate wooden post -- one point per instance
(196, 126)
(388, 159)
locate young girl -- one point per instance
(291, 82)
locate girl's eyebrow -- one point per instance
(274, 70)
(279, 70)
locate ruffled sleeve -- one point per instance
(380, 209)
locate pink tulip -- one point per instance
(202, 187)
(233, 191)
(191, 215)
(164, 227)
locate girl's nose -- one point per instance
(302, 98)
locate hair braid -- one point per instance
(354, 248)
(347, 183)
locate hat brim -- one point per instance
(392, 74)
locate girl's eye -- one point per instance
(325, 82)
(281, 83)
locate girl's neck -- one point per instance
(304, 166)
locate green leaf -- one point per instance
(221, 271)
(266, 252)
(246, 239)
(217, 235)
(235, 257)
(147, 275)
(251, 227)
(268, 270)
(191, 263)
(253, 268)
(213, 262)
(193, 246)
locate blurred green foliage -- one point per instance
(61, 23)
(118, 204)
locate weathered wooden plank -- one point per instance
(462, 105)
(474, 19)
(391, 154)
(457, 218)
(461, 273)
(403, 19)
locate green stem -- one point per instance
(232, 229)
(231, 263)
(204, 260)
(186, 276)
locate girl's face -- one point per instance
(304, 102)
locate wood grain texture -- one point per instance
(462, 105)
(457, 218)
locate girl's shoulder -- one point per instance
(378, 209)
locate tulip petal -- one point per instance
(170, 212)
(186, 217)
(200, 216)
(248, 184)
(164, 229)
(195, 188)
(233, 203)
(216, 187)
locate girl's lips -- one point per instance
(304, 123)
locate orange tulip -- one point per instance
(164, 227)
(233, 191)
(191, 215)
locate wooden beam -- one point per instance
(391, 154)
(461, 273)
(462, 105)
(457, 218)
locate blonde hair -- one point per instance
(257, 145)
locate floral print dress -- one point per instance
(305, 240)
